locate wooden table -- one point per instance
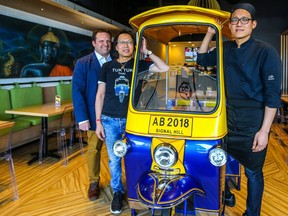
(284, 98)
(6, 124)
(45, 110)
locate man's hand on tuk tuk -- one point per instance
(212, 30)
(143, 48)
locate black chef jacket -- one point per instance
(252, 81)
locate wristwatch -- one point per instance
(149, 53)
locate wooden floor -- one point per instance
(53, 189)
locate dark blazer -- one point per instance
(84, 88)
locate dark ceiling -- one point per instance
(122, 10)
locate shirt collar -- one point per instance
(245, 44)
(102, 59)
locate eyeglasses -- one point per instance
(243, 20)
(125, 42)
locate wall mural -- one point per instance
(32, 50)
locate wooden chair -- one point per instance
(6, 154)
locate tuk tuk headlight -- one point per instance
(120, 148)
(217, 157)
(165, 155)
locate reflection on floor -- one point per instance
(54, 189)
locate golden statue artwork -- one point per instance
(49, 49)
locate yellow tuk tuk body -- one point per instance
(176, 122)
(170, 22)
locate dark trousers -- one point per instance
(255, 187)
(243, 123)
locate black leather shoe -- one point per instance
(94, 191)
(230, 200)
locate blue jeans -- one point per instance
(255, 188)
(114, 128)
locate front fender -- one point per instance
(163, 191)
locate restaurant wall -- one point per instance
(177, 52)
(269, 30)
(158, 49)
(21, 37)
(272, 19)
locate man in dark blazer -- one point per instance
(84, 89)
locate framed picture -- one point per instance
(29, 49)
(191, 54)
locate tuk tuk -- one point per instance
(174, 143)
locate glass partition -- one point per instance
(186, 87)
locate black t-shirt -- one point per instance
(118, 82)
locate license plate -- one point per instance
(167, 125)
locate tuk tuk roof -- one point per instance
(185, 11)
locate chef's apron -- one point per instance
(244, 119)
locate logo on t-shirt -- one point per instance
(121, 88)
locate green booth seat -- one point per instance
(6, 105)
(20, 124)
(24, 97)
(34, 120)
(53, 118)
(64, 90)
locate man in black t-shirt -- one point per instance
(112, 103)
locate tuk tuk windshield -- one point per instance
(187, 86)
